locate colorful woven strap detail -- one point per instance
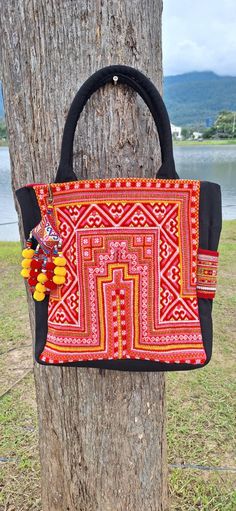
(130, 291)
(207, 266)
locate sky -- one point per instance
(199, 35)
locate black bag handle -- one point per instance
(140, 83)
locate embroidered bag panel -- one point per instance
(131, 247)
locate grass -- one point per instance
(231, 141)
(19, 475)
(200, 404)
(14, 319)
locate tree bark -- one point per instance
(102, 433)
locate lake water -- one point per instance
(208, 163)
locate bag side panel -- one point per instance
(210, 218)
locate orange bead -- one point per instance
(58, 280)
(27, 253)
(25, 273)
(26, 263)
(60, 270)
(39, 297)
(42, 278)
(59, 261)
(40, 287)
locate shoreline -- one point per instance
(231, 141)
(183, 143)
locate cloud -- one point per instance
(199, 36)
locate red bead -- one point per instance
(49, 274)
(36, 264)
(32, 281)
(34, 273)
(50, 285)
(50, 266)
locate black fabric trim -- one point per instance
(31, 216)
(30, 210)
(210, 224)
(209, 233)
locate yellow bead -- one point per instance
(40, 287)
(28, 253)
(59, 270)
(58, 280)
(59, 261)
(26, 263)
(39, 296)
(25, 273)
(42, 278)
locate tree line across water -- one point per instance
(3, 131)
(224, 127)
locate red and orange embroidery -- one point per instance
(131, 249)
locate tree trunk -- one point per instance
(102, 434)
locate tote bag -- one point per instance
(129, 265)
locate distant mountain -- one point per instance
(191, 98)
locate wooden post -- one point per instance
(102, 433)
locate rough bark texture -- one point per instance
(102, 438)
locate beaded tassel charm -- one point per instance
(45, 267)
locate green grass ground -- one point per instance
(200, 404)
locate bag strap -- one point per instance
(140, 83)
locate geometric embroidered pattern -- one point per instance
(131, 247)
(207, 266)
